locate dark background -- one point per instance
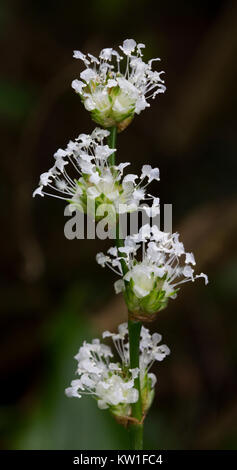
(53, 294)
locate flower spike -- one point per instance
(148, 284)
(113, 94)
(81, 174)
(112, 383)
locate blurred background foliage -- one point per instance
(53, 295)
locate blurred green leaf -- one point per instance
(59, 422)
(15, 100)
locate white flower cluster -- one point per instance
(147, 284)
(151, 264)
(113, 92)
(112, 383)
(82, 173)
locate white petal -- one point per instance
(111, 83)
(119, 286)
(88, 75)
(188, 272)
(106, 334)
(150, 173)
(60, 153)
(139, 194)
(102, 405)
(113, 251)
(106, 53)
(95, 178)
(141, 104)
(130, 178)
(140, 292)
(38, 191)
(121, 167)
(132, 395)
(190, 259)
(153, 379)
(81, 56)
(99, 133)
(89, 104)
(102, 259)
(204, 276)
(128, 46)
(78, 86)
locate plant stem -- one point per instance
(112, 144)
(134, 330)
(136, 429)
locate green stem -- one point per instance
(134, 330)
(112, 144)
(136, 429)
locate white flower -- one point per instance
(107, 381)
(148, 283)
(81, 173)
(151, 173)
(112, 383)
(149, 349)
(78, 86)
(128, 46)
(113, 94)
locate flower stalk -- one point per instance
(134, 331)
(136, 428)
(112, 144)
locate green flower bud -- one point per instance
(144, 308)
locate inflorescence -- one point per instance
(111, 382)
(114, 87)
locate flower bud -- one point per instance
(147, 391)
(145, 308)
